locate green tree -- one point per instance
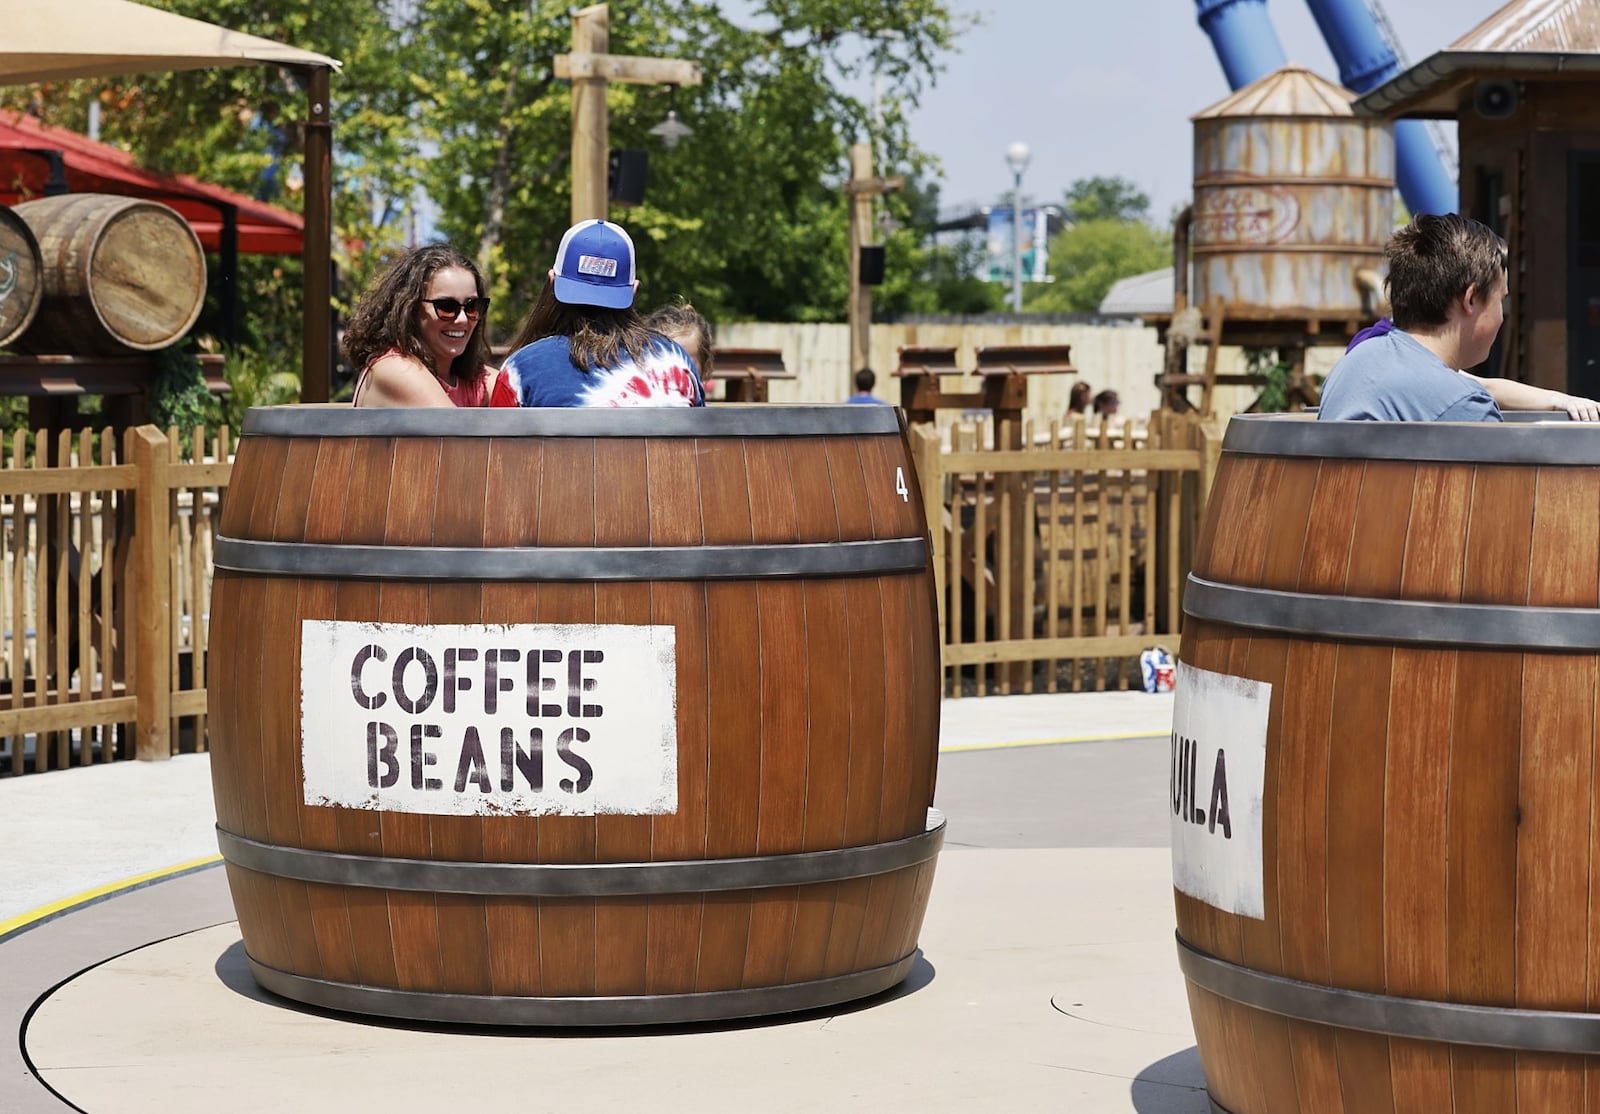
(1087, 258)
(1100, 198)
(746, 217)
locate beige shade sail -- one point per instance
(52, 40)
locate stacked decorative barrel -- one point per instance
(96, 274)
(763, 844)
(1423, 601)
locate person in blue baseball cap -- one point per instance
(583, 343)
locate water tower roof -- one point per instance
(1290, 91)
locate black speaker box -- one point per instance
(625, 171)
(872, 266)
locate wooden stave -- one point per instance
(1253, 1058)
(778, 926)
(73, 315)
(28, 276)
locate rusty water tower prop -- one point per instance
(1293, 201)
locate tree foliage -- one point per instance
(1088, 257)
(1098, 198)
(458, 97)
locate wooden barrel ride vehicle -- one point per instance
(575, 717)
(1386, 830)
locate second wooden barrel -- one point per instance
(573, 717)
(1385, 753)
(21, 284)
(120, 274)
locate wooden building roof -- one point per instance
(1525, 40)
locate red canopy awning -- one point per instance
(93, 167)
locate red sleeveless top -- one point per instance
(472, 393)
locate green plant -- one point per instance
(1274, 396)
(254, 379)
(180, 397)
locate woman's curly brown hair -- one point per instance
(386, 316)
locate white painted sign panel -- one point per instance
(487, 720)
(1217, 783)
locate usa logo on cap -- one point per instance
(595, 266)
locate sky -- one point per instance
(1106, 87)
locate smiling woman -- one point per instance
(417, 335)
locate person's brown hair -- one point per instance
(1433, 260)
(675, 319)
(386, 316)
(1078, 400)
(597, 334)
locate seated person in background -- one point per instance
(681, 322)
(1106, 404)
(1447, 287)
(418, 334)
(865, 379)
(1078, 400)
(584, 344)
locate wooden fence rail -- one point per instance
(1058, 562)
(106, 548)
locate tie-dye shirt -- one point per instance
(545, 376)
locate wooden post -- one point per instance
(152, 586)
(591, 124)
(590, 69)
(862, 188)
(316, 357)
(860, 307)
(925, 454)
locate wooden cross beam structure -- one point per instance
(591, 69)
(862, 187)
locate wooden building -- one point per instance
(1524, 87)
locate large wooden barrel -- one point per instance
(120, 273)
(1390, 666)
(21, 284)
(572, 717)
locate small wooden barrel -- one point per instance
(120, 273)
(21, 284)
(758, 841)
(1424, 602)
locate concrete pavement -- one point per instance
(1048, 979)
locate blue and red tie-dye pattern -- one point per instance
(545, 376)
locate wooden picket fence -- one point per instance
(106, 546)
(1057, 562)
(1061, 558)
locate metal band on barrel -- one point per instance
(584, 879)
(1413, 622)
(1451, 1022)
(599, 422)
(1545, 437)
(643, 1009)
(689, 562)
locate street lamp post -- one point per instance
(1017, 156)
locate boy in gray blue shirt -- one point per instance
(1447, 286)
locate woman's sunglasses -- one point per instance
(448, 309)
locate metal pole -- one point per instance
(1016, 245)
(316, 358)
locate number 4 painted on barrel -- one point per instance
(900, 488)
